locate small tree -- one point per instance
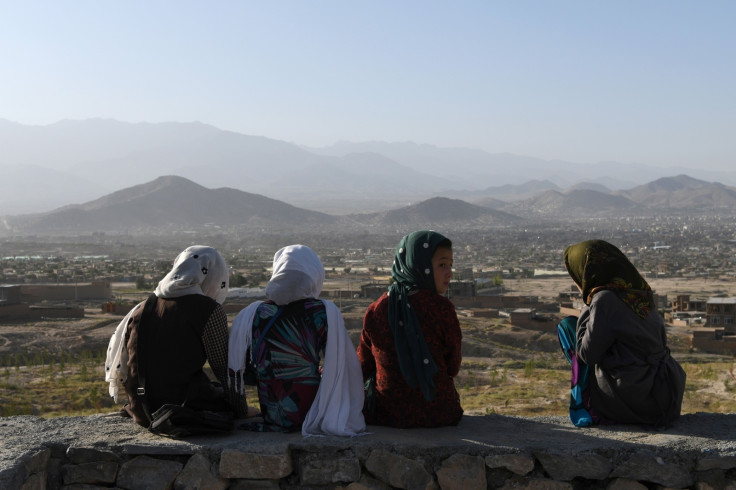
(237, 279)
(497, 280)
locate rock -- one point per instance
(521, 464)
(78, 455)
(37, 462)
(625, 484)
(97, 473)
(367, 483)
(36, 481)
(255, 485)
(255, 466)
(399, 471)
(315, 469)
(645, 467)
(197, 475)
(566, 467)
(538, 484)
(715, 462)
(146, 473)
(461, 472)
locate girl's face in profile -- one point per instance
(442, 269)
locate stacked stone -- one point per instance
(76, 468)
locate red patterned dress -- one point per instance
(398, 405)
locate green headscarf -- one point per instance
(596, 265)
(412, 270)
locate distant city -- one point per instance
(666, 246)
(358, 264)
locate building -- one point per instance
(9, 295)
(11, 307)
(713, 340)
(683, 302)
(483, 312)
(461, 288)
(35, 293)
(720, 313)
(456, 289)
(464, 274)
(529, 319)
(34, 301)
(685, 318)
(373, 290)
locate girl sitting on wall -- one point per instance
(285, 337)
(622, 368)
(410, 344)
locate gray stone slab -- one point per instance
(254, 466)
(702, 441)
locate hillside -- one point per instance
(164, 204)
(575, 203)
(668, 195)
(683, 192)
(174, 203)
(438, 211)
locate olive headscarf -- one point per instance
(412, 270)
(596, 265)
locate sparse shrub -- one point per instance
(529, 367)
(730, 386)
(494, 377)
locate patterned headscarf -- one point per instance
(297, 274)
(596, 265)
(412, 270)
(197, 270)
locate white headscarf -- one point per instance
(197, 270)
(337, 408)
(297, 274)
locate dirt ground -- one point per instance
(703, 288)
(91, 333)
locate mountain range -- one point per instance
(72, 162)
(176, 204)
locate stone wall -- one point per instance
(482, 452)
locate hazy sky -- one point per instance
(632, 81)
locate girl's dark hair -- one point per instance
(446, 243)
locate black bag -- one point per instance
(181, 421)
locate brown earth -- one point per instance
(91, 333)
(704, 288)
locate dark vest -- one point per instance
(172, 351)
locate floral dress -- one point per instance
(288, 363)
